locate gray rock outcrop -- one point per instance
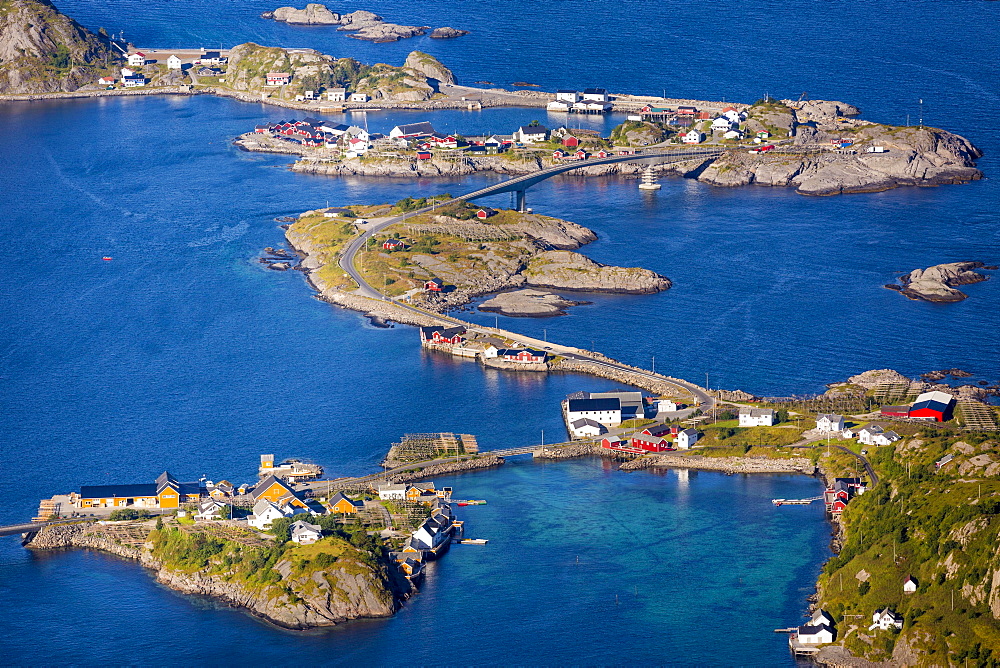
(448, 32)
(528, 304)
(937, 283)
(44, 51)
(313, 14)
(429, 66)
(364, 24)
(566, 270)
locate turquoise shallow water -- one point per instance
(183, 353)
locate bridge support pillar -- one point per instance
(519, 194)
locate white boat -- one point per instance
(648, 181)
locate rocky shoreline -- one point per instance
(463, 466)
(303, 611)
(728, 465)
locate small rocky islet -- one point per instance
(937, 283)
(362, 24)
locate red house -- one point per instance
(452, 335)
(581, 155)
(524, 356)
(483, 214)
(838, 506)
(434, 285)
(602, 154)
(392, 244)
(570, 142)
(619, 446)
(559, 154)
(423, 155)
(659, 430)
(687, 111)
(895, 411)
(651, 443)
(930, 410)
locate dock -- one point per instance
(473, 541)
(795, 502)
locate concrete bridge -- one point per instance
(33, 527)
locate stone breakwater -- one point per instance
(476, 464)
(497, 363)
(723, 464)
(570, 451)
(319, 598)
(654, 385)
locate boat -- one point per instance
(473, 541)
(107, 258)
(648, 181)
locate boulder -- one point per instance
(936, 284)
(313, 14)
(448, 33)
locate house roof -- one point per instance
(266, 483)
(657, 429)
(300, 526)
(339, 496)
(930, 405)
(533, 129)
(809, 629)
(943, 397)
(830, 416)
(585, 422)
(579, 394)
(895, 409)
(566, 90)
(392, 488)
(423, 127)
(872, 429)
(595, 91)
(577, 405)
(117, 491)
(756, 412)
(689, 432)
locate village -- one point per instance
(415, 519)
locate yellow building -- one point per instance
(279, 492)
(166, 492)
(341, 504)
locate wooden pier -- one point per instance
(795, 502)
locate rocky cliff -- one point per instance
(44, 51)
(284, 585)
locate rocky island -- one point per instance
(339, 578)
(363, 24)
(937, 283)
(444, 259)
(528, 304)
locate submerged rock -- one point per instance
(448, 32)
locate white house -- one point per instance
(733, 116)
(173, 63)
(886, 618)
(106, 81)
(828, 422)
(733, 134)
(531, 134)
(665, 406)
(304, 533)
(910, 585)
(687, 438)
(722, 124)
(757, 417)
(433, 532)
(134, 81)
(264, 513)
(867, 434)
(605, 411)
(126, 72)
(392, 492)
(558, 105)
(137, 59)
(336, 94)
(815, 635)
(359, 97)
(596, 94)
(848, 433)
(692, 137)
(355, 132)
(587, 427)
(570, 96)
(209, 509)
(821, 617)
(885, 438)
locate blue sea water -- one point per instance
(183, 353)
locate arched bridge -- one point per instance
(519, 184)
(516, 185)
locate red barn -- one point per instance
(651, 443)
(570, 142)
(434, 285)
(935, 411)
(838, 506)
(895, 411)
(423, 155)
(392, 244)
(485, 213)
(452, 335)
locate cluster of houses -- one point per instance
(821, 630)
(657, 437)
(838, 495)
(872, 434)
(589, 101)
(314, 132)
(455, 341)
(595, 414)
(278, 79)
(132, 78)
(433, 536)
(930, 406)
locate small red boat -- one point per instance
(107, 258)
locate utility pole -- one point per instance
(654, 363)
(921, 112)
